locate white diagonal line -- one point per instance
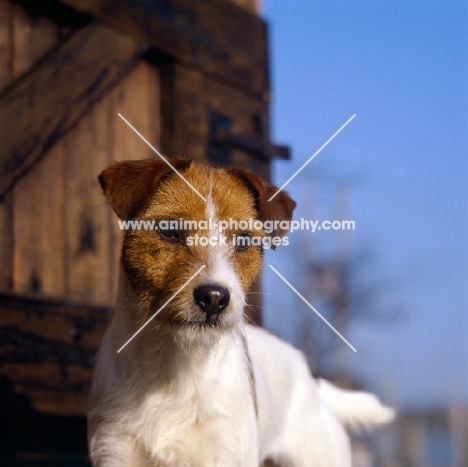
(162, 157)
(152, 317)
(303, 165)
(311, 307)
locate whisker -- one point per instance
(254, 306)
(248, 318)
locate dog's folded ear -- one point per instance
(128, 185)
(280, 208)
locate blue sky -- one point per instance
(402, 68)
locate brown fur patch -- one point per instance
(279, 208)
(129, 185)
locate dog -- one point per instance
(198, 387)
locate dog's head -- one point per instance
(184, 233)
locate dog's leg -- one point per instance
(108, 448)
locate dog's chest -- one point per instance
(205, 418)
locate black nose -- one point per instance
(211, 299)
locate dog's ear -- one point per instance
(280, 208)
(128, 185)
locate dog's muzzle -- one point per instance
(211, 299)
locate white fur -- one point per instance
(167, 401)
(219, 268)
(343, 404)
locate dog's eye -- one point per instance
(242, 242)
(170, 235)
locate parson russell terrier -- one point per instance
(198, 386)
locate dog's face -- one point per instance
(158, 262)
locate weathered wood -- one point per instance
(64, 320)
(6, 242)
(53, 97)
(87, 231)
(32, 39)
(6, 206)
(137, 99)
(37, 198)
(249, 5)
(47, 349)
(6, 43)
(215, 36)
(185, 117)
(187, 99)
(39, 240)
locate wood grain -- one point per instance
(6, 43)
(6, 242)
(136, 98)
(86, 230)
(6, 206)
(38, 198)
(38, 220)
(48, 349)
(54, 96)
(187, 98)
(215, 36)
(250, 5)
(32, 38)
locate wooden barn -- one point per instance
(192, 78)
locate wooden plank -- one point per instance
(188, 97)
(18, 38)
(6, 43)
(184, 115)
(6, 242)
(250, 5)
(6, 212)
(215, 36)
(53, 97)
(47, 350)
(37, 199)
(39, 206)
(33, 37)
(57, 319)
(137, 100)
(48, 389)
(87, 254)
